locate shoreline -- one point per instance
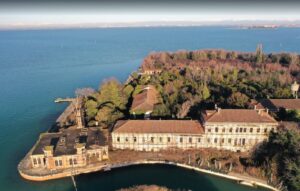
(107, 167)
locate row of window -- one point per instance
(160, 139)
(236, 141)
(58, 162)
(37, 161)
(93, 155)
(238, 130)
(72, 161)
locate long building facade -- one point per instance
(230, 129)
(154, 135)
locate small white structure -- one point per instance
(295, 88)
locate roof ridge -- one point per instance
(209, 117)
(239, 116)
(161, 126)
(268, 115)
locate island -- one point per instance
(231, 114)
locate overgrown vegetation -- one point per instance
(107, 105)
(288, 115)
(190, 79)
(280, 158)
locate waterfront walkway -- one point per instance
(121, 158)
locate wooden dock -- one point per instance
(59, 100)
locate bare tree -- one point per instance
(185, 108)
(84, 92)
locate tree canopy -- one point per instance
(190, 81)
(108, 104)
(280, 155)
(227, 78)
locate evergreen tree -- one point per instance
(259, 54)
(111, 92)
(283, 149)
(238, 99)
(205, 92)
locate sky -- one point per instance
(20, 13)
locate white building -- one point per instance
(230, 129)
(236, 129)
(153, 135)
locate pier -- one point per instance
(74, 108)
(60, 100)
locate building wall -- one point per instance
(236, 136)
(155, 142)
(97, 155)
(68, 161)
(37, 161)
(229, 136)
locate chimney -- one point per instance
(255, 106)
(80, 147)
(216, 107)
(267, 110)
(218, 110)
(48, 151)
(259, 111)
(62, 141)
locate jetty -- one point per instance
(60, 100)
(74, 108)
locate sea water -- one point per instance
(37, 66)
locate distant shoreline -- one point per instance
(234, 24)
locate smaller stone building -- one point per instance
(154, 135)
(69, 148)
(143, 103)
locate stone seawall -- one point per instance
(69, 173)
(63, 174)
(44, 177)
(239, 180)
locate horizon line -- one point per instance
(172, 23)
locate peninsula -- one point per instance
(228, 113)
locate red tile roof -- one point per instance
(238, 116)
(146, 100)
(159, 126)
(254, 104)
(275, 104)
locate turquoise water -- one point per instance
(168, 176)
(36, 66)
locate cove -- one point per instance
(173, 177)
